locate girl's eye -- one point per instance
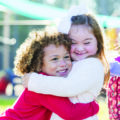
(86, 43)
(54, 59)
(67, 56)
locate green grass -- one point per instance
(6, 103)
(103, 112)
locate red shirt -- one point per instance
(34, 106)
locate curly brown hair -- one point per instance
(29, 56)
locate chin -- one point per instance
(65, 75)
(77, 59)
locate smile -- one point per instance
(63, 72)
(80, 53)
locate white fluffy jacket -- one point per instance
(83, 84)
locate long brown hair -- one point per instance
(90, 21)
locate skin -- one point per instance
(84, 43)
(56, 61)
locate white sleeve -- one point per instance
(84, 75)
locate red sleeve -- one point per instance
(63, 107)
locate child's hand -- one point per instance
(25, 79)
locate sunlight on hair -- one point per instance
(51, 29)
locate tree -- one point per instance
(104, 7)
(107, 7)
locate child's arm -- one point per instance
(85, 74)
(63, 107)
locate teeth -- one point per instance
(62, 70)
(80, 53)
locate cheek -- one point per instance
(68, 62)
(92, 50)
(70, 65)
(52, 67)
(51, 70)
(72, 49)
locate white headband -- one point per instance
(65, 23)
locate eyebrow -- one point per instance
(88, 39)
(83, 40)
(67, 53)
(53, 56)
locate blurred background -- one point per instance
(19, 17)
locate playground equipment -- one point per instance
(7, 77)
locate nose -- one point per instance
(62, 63)
(79, 48)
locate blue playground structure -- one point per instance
(8, 77)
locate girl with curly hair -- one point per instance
(90, 68)
(46, 54)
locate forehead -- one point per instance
(80, 29)
(53, 49)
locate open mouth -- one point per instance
(63, 72)
(79, 53)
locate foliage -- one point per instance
(104, 7)
(108, 7)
